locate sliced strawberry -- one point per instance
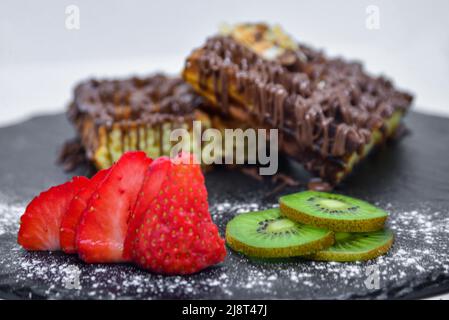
(39, 225)
(103, 225)
(177, 235)
(154, 177)
(71, 218)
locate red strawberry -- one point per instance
(102, 228)
(39, 225)
(154, 177)
(71, 218)
(177, 235)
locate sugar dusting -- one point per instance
(421, 251)
(9, 216)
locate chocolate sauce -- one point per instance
(131, 105)
(71, 154)
(329, 105)
(134, 99)
(319, 185)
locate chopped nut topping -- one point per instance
(270, 42)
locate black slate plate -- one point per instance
(410, 179)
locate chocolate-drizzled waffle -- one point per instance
(330, 112)
(114, 116)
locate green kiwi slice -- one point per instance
(356, 246)
(266, 234)
(332, 211)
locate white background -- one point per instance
(40, 60)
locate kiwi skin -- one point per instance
(344, 257)
(366, 225)
(292, 251)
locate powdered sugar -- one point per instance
(420, 252)
(9, 216)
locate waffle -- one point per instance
(330, 113)
(115, 116)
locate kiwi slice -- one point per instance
(356, 246)
(332, 211)
(266, 234)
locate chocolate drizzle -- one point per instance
(131, 107)
(136, 99)
(329, 106)
(71, 154)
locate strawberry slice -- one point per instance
(177, 235)
(154, 177)
(103, 225)
(71, 218)
(39, 225)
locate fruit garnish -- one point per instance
(177, 235)
(154, 177)
(356, 246)
(103, 225)
(39, 225)
(72, 216)
(332, 211)
(266, 234)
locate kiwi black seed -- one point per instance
(356, 246)
(332, 211)
(266, 234)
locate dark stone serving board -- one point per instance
(409, 178)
